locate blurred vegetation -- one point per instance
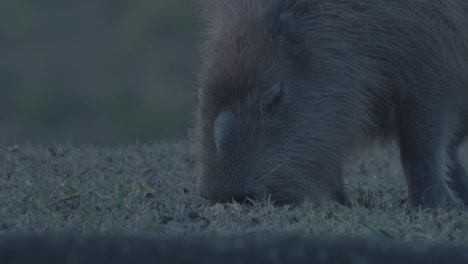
(96, 71)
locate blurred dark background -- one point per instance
(97, 71)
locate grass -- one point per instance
(147, 189)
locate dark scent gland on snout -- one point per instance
(288, 88)
(222, 127)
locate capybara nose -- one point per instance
(245, 198)
(227, 196)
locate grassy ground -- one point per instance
(148, 189)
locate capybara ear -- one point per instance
(288, 28)
(284, 21)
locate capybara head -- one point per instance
(254, 136)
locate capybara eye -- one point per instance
(276, 95)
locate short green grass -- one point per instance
(147, 189)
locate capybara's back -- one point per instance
(289, 87)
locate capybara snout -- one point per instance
(224, 196)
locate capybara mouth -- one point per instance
(281, 198)
(246, 199)
(229, 197)
(276, 197)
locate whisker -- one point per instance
(272, 170)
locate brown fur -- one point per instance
(288, 88)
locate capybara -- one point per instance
(288, 88)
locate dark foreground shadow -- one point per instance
(48, 248)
